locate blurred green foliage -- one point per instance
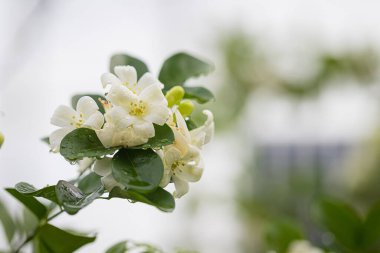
(277, 206)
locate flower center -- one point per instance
(137, 109)
(176, 166)
(77, 121)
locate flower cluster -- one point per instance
(133, 108)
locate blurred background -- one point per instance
(297, 110)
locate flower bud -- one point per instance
(1, 139)
(186, 107)
(175, 95)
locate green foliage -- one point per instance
(81, 143)
(137, 169)
(90, 183)
(52, 239)
(159, 198)
(200, 94)
(281, 233)
(29, 190)
(181, 67)
(96, 97)
(120, 247)
(72, 199)
(163, 136)
(371, 229)
(6, 219)
(38, 209)
(45, 140)
(124, 59)
(129, 246)
(190, 124)
(341, 220)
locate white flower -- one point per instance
(135, 107)
(103, 168)
(85, 163)
(86, 115)
(203, 134)
(303, 247)
(182, 160)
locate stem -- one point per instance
(55, 215)
(31, 237)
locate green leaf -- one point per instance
(29, 190)
(123, 59)
(341, 220)
(180, 67)
(90, 183)
(120, 247)
(96, 97)
(38, 209)
(160, 198)
(280, 233)
(53, 239)
(81, 143)
(73, 199)
(45, 140)
(190, 124)
(199, 94)
(6, 219)
(163, 136)
(371, 229)
(137, 169)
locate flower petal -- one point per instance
(144, 129)
(56, 137)
(153, 94)
(190, 173)
(172, 155)
(127, 75)
(203, 134)
(146, 80)
(157, 114)
(85, 163)
(182, 127)
(95, 121)
(118, 117)
(109, 183)
(103, 167)
(87, 106)
(166, 178)
(63, 116)
(181, 187)
(106, 135)
(109, 79)
(121, 95)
